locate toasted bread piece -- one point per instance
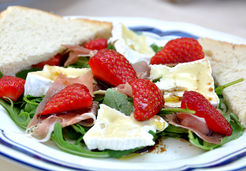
(228, 63)
(29, 36)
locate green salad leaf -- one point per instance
(118, 101)
(21, 112)
(81, 63)
(237, 128)
(155, 47)
(219, 89)
(111, 46)
(1, 74)
(237, 132)
(23, 74)
(175, 132)
(79, 149)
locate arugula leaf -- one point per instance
(80, 150)
(156, 80)
(98, 97)
(219, 89)
(111, 46)
(22, 112)
(237, 132)
(167, 111)
(1, 74)
(118, 153)
(118, 101)
(23, 74)
(81, 63)
(155, 47)
(21, 119)
(76, 149)
(175, 132)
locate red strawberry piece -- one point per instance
(111, 67)
(147, 98)
(96, 44)
(178, 51)
(73, 97)
(55, 61)
(11, 87)
(214, 119)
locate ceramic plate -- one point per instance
(172, 154)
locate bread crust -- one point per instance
(70, 34)
(228, 63)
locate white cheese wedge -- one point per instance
(116, 131)
(133, 46)
(196, 76)
(38, 83)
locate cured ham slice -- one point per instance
(125, 89)
(76, 51)
(42, 127)
(142, 69)
(196, 125)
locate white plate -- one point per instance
(179, 155)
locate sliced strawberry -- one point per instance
(113, 68)
(214, 119)
(73, 97)
(11, 87)
(96, 44)
(147, 98)
(52, 61)
(178, 51)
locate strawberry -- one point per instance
(111, 67)
(73, 97)
(52, 61)
(214, 119)
(178, 51)
(96, 44)
(147, 98)
(11, 87)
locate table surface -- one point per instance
(222, 15)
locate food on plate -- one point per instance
(100, 96)
(35, 36)
(178, 51)
(183, 77)
(228, 64)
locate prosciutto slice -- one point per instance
(142, 69)
(195, 124)
(125, 89)
(42, 127)
(76, 51)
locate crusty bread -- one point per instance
(228, 63)
(29, 36)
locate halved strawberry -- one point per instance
(73, 97)
(52, 61)
(214, 119)
(147, 98)
(112, 67)
(96, 44)
(178, 51)
(11, 87)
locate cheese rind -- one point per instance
(133, 46)
(195, 76)
(38, 83)
(116, 131)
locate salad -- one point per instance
(105, 101)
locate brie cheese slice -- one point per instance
(195, 76)
(116, 131)
(38, 83)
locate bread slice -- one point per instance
(29, 36)
(228, 63)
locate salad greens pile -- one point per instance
(70, 139)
